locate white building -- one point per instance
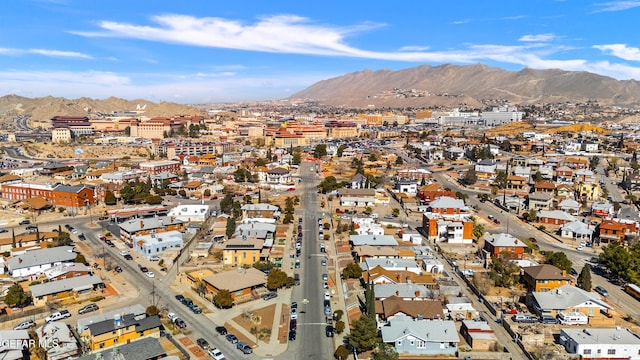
(605, 343)
(191, 213)
(156, 244)
(37, 261)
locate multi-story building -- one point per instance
(341, 129)
(496, 244)
(120, 330)
(545, 278)
(156, 167)
(172, 149)
(155, 244)
(241, 252)
(60, 135)
(155, 128)
(75, 196)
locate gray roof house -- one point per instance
(614, 342)
(577, 230)
(57, 340)
(539, 200)
(566, 298)
(373, 240)
(37, 261)
(41, 292)
(12, 341)
(421, 337)
(143, 349)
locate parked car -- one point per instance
(216, 354)
(88, 308)
(292, 335)
(81, 237)
(203, 343)
(154, 258)
(269, 296)
(63, 314)
(294, 314)
(232, 338)
(180, 323)
(3, 230)
(172, 316)
(179, 297)
(244, 347)
(601, 290)
(150, 274)
(221, 330)
(524, 318)
(128, 257)
(118, 269)
(329, 331)
(548, 319)
(25, 325)
(293, 324)
(144, 269)
(24, 222)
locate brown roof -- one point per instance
(9, 177)
(369, 250)
(431, 187)
(398, 277)
(29, 237)
(428, 309)
(193, 185)
(36, 203)
(546, 272)
(544, 184)
(235, 280)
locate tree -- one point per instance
(399, 161)
(127, 130)
(320, 151)
(352, 271)
(207, 193)
(373, 157)
(16, 296)
(297, 158)
(395, 212)
(260, 162)
(501, 179)
(364, 334)
(617, 259)
(152, 310)
(477, 231)
(559, 260)
(385, 352)
(537, 176)
(470, 177)
(339, 328)
(80, 259)
(594, 161)
(341, 150)
(370, 301)
(341, 353)
(276, 279)
(201, 287)
(110, 198)
(226, 204)
(223, 299)
(231, 227)
(584, 279)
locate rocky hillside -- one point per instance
(45, 108)
(452, 85)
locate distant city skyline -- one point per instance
(196, 52)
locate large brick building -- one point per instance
(60, 195)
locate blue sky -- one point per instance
(201, 51)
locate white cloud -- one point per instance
(537, 38)
(413, 48)
(44, 52)
(616, 6)
(620, 50)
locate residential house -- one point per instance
(540, 201)
(64, 288)
(584, 176)
(486, 169)
(374, 252)
(120, 330)
(67, 271)
(544, 277)
(406, 291)
(421, 337)
(602, 209)
(359, 181)
(569, 206)
(82, 323)
(357, 197)
(578, 231)
(588, 191)
(479, 335)
(523, 172)
(566, 298)
(565, 191)
(544, 186)
(601, 343)
(278, 176)
(148, 348)
(448, 206)
(155, 244)
(190, 213)
(564, 175)
(576, 162)
(57, 341)
(373, 240)
(23, 241)
(390, 265)
(517, 183)
(612, 230)
(241, 252)
(496, 244)
(393, 306)
(241, 283)
(35, 262)
(554, 217)
(426, 196)
(260, 211)
(454, 229)
(12, 344)
(146, 226)
(408, 186)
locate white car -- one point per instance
(63, 314)
(154, 258)
(580, 248)
(123, 252)
(172, 316)
(150, 274)
(216, 354)
(327, 295)
(294, 314)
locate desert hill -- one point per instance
(453, 85)
(45, 108)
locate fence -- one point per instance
(517, 339)
(31, 313)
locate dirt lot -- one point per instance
(261, 319)
(66, 151)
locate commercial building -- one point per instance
(155, 244)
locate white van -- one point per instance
(573, 318)
(374, 216)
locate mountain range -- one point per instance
(472, 86)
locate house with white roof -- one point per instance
(409, 265)
(605, 343)
(447, 205)
(374, 240)
(191, 213)
(57, 340)
(577, 230)
(421, 337)
(155, 244)
(570, 206)
(367, 226)
(35, 262)
(406, 291)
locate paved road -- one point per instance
(311, 341)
